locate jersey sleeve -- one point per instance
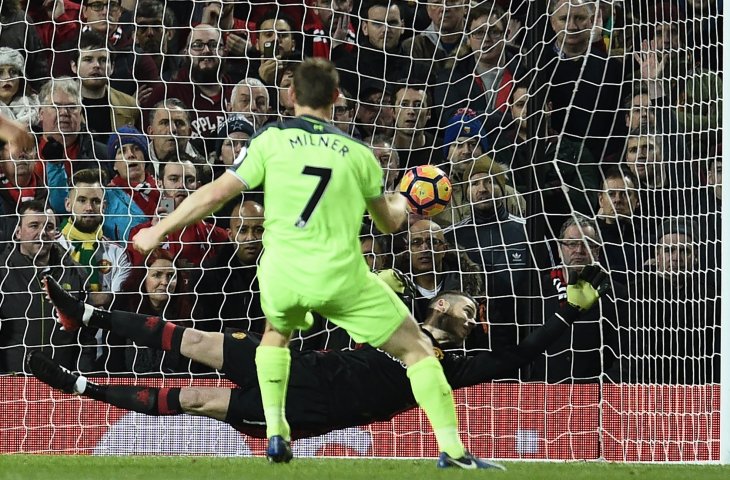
(465, 371)
(372, 181)
(250, 162)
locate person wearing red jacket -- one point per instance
(55, 21)
(194, 243)
(329, 28)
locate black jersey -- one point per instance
(338, 389)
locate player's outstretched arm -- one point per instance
(388, 211)
(583, 294)
(204, 201)
(584, 291)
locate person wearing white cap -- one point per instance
(13, 88)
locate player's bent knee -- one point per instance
(194, 341)
(192, 400)
(194, 337)
(204, 347)
(209, 402)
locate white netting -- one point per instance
(603, 113)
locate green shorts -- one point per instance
(370, 314)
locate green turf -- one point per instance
(30, 467)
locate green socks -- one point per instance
(433, 394)
(272, 367)
(430, 388)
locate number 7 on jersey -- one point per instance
(324, 175)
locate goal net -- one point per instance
(573, 132)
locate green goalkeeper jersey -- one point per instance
(316, 180)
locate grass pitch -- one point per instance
(58, 467)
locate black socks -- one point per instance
(148, 331)
(147, 400)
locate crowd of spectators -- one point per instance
(588, 135)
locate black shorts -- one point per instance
(307, 405)
(239, 358)
(246, 415)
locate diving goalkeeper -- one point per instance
(328, 390)
(317, 183)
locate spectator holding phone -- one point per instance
(275, 42)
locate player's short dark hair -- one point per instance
(89, 176)
(275, 15)
(486, 9)
(635, 91)
(622, 173)
(157, 10)
(315, 83)
(449, 294)
(31, 206)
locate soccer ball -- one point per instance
(427, 189)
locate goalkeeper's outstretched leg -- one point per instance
(148, 331)
(208, 402)
(203, 347)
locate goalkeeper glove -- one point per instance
(398, 281)
(586, 288)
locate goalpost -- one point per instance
(636, 381)
(725, 367)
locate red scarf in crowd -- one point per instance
(557, 275)
(19, 194)
(144, 194)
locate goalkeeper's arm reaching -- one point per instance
(584, 292)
